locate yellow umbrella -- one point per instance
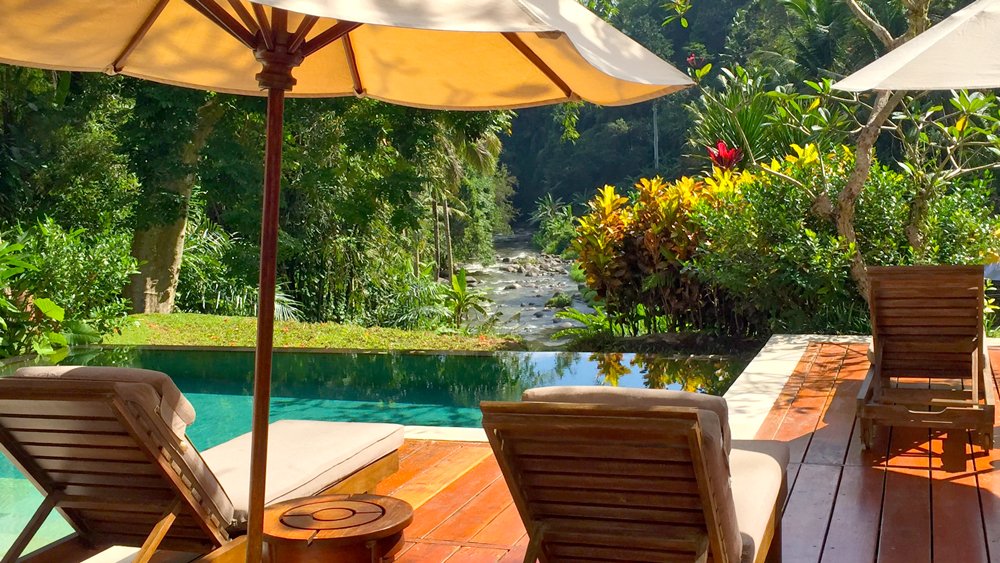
(442, 54)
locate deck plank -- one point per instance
(854, 525)
(433, 480)
(905, 535)
(440, 509)
(807, 514)
(807, 409)
(475, 515)
(426, 553)
(957, 518)
(772, 422)
(417, 460)
(505, 529)
(477, 555)
(832, 436)
(989, 476)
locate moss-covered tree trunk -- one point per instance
(158, 242)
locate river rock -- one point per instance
(511, 287)
(539, 314)
(471, 281)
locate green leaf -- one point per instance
(56, 339)
(50, 309)
(42, 348)
(79, 333)
(684, 22)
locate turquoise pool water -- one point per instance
(405, 388)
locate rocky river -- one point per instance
(528, 288)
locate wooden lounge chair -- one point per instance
(929, 366)
(608, 474)
(107, 449)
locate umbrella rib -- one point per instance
(221, 18)
(521, 46)
(299, 37)
(139, 35)
(279, 22)
(265, 26)
(339, 30)
(245, 15)
(352, 63)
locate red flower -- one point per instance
(724, 157)
(692, 60)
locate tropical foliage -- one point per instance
(756, 251)
(462, 301)
(59, 288)
(635, 253)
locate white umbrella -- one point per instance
(959, 52)
(445, 54)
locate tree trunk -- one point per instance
(437, 237)
(160, 247)
(886, 102)
(884, 105)
(919, 207)
(447, 237)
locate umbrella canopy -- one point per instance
(443, 54)
(959, 52)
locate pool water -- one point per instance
(404, 388)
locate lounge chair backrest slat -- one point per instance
(613, 483)
(114, 466)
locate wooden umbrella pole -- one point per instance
(265, 321)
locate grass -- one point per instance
(189, 329)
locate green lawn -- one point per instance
(187, 329)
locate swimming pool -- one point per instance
(423, 389)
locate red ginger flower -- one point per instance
(724, 157)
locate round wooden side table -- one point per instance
(336, 528)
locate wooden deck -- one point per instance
(917, 497)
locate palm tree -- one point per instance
(456, 156)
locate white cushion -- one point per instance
(758, 472)
(303, 458)
(173, 406)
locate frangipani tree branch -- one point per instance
(873, 25)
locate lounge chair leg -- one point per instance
(867, 433)
(534, 551)
(48, 503)
(159, 532)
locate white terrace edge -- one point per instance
(753, 394)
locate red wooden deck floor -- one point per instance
(917, 497)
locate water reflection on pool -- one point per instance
(407, 388)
